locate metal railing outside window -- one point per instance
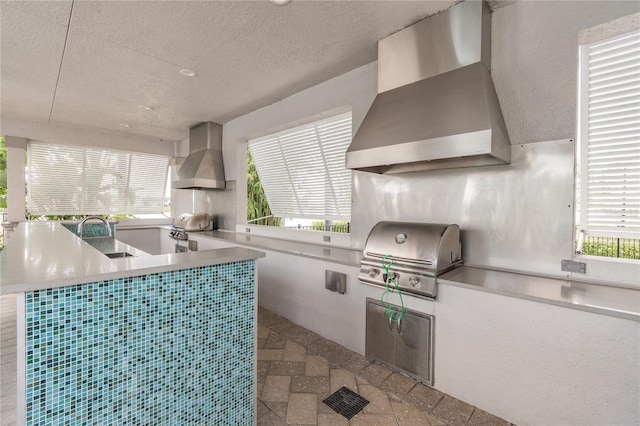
(339, 228)
(623, 248)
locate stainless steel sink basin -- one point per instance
(113, 248)
(118, 254)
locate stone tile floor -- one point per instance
(298, 369)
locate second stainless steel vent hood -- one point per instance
(436, 106)
(203, 168)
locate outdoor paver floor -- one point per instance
(298, 369)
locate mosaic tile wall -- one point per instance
(91, 229)
(173, 348)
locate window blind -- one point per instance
(610, 137)
(83, 180)
(302, 170)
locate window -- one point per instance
(302, 171)
(71, 180)
(609, 148)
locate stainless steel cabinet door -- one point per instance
(413, 346)
(380, 340)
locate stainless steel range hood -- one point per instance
(203, 168)
(436, 106)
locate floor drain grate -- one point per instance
(346, 402)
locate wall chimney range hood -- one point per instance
(436, 106)
(203, 168)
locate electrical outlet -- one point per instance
(247, 230)
(571, 266)
(326, 238)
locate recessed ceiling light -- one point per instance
(125, 125)
(279, 2)
(145, 107)
(187, 73)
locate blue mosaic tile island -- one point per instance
(167, 348)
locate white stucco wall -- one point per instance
(538, 364)
(534, 63)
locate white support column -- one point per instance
(16, 148)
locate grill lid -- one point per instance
(432, 245)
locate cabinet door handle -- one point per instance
(399, 327)
(390, 325)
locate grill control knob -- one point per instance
(392, 278)
(414, 281)
(373, 272)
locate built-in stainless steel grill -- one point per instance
(415, 254)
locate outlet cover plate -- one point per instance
(572, 266)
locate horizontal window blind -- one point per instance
(302, 170)
(610, 137)
(83, 180)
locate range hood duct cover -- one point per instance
(203, 168)
(436, 106)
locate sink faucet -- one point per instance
(106, 224)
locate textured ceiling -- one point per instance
(93, 63)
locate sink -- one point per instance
(118, 254)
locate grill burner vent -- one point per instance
(418, 253)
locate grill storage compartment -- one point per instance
(408, 348)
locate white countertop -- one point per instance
(619, 301)
(343, 256)
(43, 255)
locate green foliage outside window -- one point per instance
(623, 248)
(257, 205)
(339, 226)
